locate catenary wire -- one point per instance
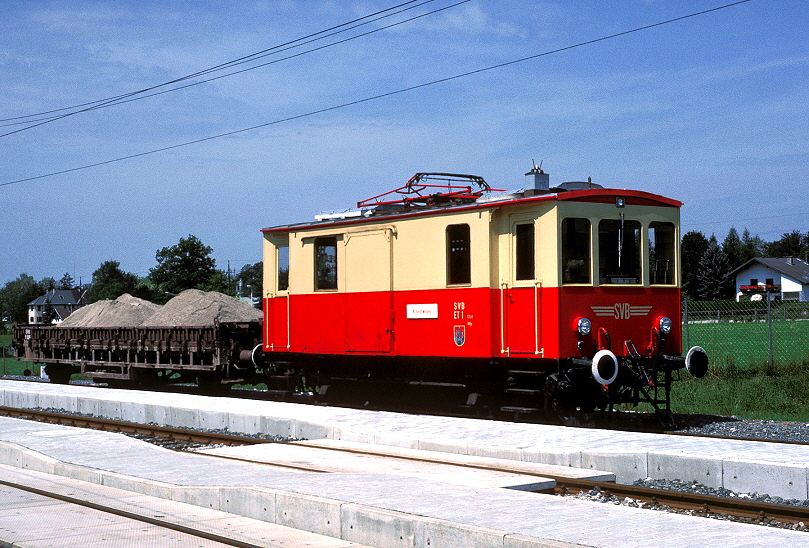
(268, 51)
(134, 96)
(139, 97)
(375, 97)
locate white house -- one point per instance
(63, 301)
(784, 278)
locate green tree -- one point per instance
(66, 282)
(218, 281)
(693, 247)
(714, 283)
(110, 282)
(46, 284)
(15, 296)
(791, 244)
(753, 246)
(48, 312)
(187, 265)
(733, 248)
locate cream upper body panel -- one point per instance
(412, 251)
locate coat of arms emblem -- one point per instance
(460, 334)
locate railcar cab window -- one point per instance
(459, 257)
(524, 253)
(575, 251)
(661, 253)
(283, 267)
(326, 263)
(619, 245)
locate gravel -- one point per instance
(748, 428)
(193, 307)
(125, 311)
(596, 495)
(731, 427)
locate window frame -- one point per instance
(279, 273)
(459, 259)
(525, 252)
(653, 250)
(637, 258)
(324, 242)
(568, 254)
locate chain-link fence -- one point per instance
(748, 334)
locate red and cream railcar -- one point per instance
(567, 296)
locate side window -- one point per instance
(283, 267)
(575, 251)
(661, 253)
(524, 253)
(326, 263)
(619, 251)
(459, 257)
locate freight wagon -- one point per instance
(144, 356)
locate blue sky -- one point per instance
(712, 110)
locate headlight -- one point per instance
(583, 326)
(664, 324)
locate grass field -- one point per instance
(777, 393)
(746, 344)
(10, 365)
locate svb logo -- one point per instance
(460, 335)
(622, 311)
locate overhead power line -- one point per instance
(34, 120)
(214, 68)
(378, 96)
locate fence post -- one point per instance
(769, 327)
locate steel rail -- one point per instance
(108, 425)
(703, 504)
(131, 515)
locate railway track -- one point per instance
(129, 515)
(695, 504)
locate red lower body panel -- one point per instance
(525, 322)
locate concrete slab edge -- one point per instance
(787, 480)
(338, 519)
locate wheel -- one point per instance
(58, 373)
(144, 378)
(210, 382)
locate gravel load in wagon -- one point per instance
(125, 311)
(190, 308)
(195, 307)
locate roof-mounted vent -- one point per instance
(536, 181)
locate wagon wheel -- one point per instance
(58, 373)
(144, 378)
(210, 382)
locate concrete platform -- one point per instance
(30, 520)
(360, 458)
(382, 509)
